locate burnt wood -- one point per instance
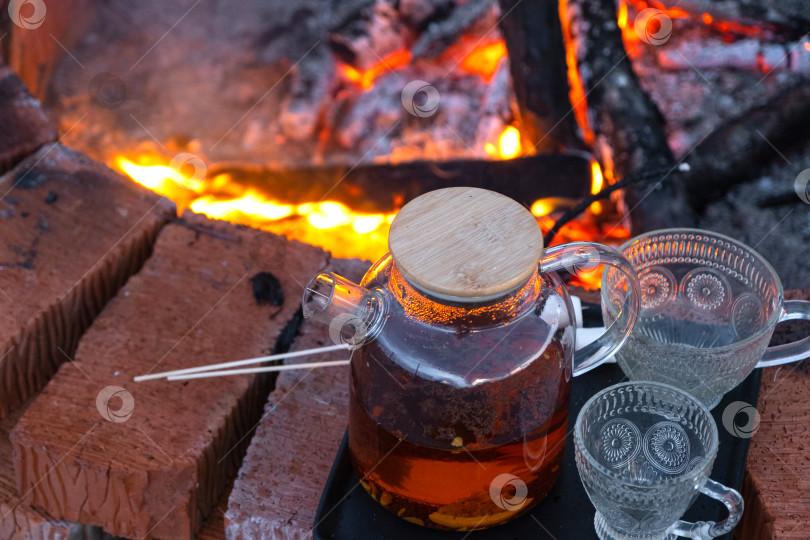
(629, 121)
(775, 18)
(386, 187)
(738, 150)
(534, 40)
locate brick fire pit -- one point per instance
(100, 282)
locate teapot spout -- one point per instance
(328, 295)
(352, 312)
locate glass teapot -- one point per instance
(463, 341)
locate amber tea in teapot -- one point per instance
(464, 354)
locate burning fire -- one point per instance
(333, 225)
(576, 92)
(482, 59)
(597, 182)
(365, 79)
(729, 29)
(509, 145)
(330, 224)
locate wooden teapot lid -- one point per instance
(465, 244)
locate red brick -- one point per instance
(281, 480)
(214, 526)
(20, 521)
(777, 476)
(24, 126)
(71, 232)
(159, 473)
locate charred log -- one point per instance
(628, 121)
(533, 36)
(739, 150)
(777, 17)
(385, 187)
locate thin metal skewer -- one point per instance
(227, 372)
(247, 362)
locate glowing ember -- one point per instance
(367, 224)
(509, 145)
(365, 79)
(622, 15)
(584, 230)
(542, 207)
(729, 28)
(484, 59)
(597, 183)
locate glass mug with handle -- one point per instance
(709, 305)
(644, 451)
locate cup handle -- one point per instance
(709, 529)
(789, 352)
(579, 255)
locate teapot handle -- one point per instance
(583, 256)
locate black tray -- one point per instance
(347, 512)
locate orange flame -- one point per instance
(329, 224)
(725, 27)
(576, 92)
(541, 208)
(365, 79)
(597, 183)
(622, 15)
(484, 59)
(509, 145)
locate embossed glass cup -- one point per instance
(644, 452)
(709, 305)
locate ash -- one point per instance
(269, 82)
(768, 215)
